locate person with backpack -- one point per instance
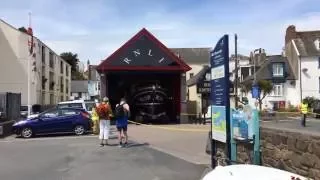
(104, 112)
(122, 115)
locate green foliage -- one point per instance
(266, 87)
(73, 60)
(310, 101)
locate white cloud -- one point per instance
(95, 29)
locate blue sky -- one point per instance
(96, 28)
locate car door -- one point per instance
(66, 119)
(47, 121)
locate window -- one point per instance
(277, 90)
(51, 60)
(68, 112)
(43, 54)
(277, 69)
(61, 84)
(71, 105)
(50, 113)
(61, 67)
(67, 71)
(89, 106)
(52, 99)
(191, 75)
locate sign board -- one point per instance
(255, 92)
(243, 123)
(219, 60)
(204, 87)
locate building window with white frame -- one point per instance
(277, 90)
(277, 70)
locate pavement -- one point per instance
(80, 157)
(187, 145)
(293, 124)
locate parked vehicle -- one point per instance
(316, 108)
(86, 105)
(53, 121)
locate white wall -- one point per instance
(14, 55)
(310, 78)
(290, 95)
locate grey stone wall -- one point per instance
(291, 151)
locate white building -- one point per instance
(276, 69)
(303, 52)
(50, 74)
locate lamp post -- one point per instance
(236, 69)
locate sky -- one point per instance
(96, 28)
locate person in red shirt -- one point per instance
(104, 112)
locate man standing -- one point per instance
(105, 112)
(122, 115)
(304, 111)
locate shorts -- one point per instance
(122, 128)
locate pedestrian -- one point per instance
(95, 119)
(105, 112)
(122, 115)
(304, 112)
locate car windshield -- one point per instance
(72, 105)
(89, 106)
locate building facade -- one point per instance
(50, 75)
(303, 52)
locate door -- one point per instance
(46, 121)
(66, 119)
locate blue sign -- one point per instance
(255, 92)
(245, 127)
(219, 60)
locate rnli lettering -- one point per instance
(137, 53)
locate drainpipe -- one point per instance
(299, 57)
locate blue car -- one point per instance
(53, 121)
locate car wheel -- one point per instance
(79, 130)
(26, 132)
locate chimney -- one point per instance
(291, 33)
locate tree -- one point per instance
(266, 87)
(23, 29)
(73, 60)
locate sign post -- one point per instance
(220, 118)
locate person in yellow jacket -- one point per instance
(95, 119)
(304, 112)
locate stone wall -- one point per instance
(291, 151)
(286, 150)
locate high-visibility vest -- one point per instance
(304, 108)
(94, 115)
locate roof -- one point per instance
(199, 76)
(193, 55)
(265, 71)
(306, 45)
(79, 86)
(146, 36)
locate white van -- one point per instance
(87, 105)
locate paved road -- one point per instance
(80, 158)
(294, 124)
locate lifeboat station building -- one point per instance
(152, 78)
